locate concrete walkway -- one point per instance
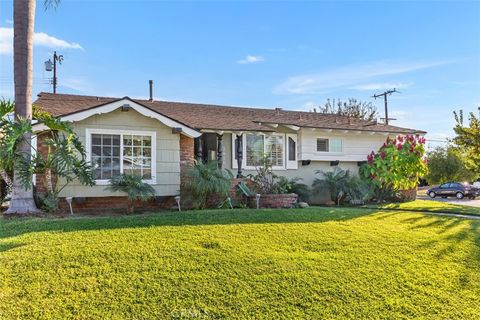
(445, 214)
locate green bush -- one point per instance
(204, 180)
(342, 186)
(48, 202)
(398, 164)
(133, 186)
(265, 181)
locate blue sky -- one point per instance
(293, 55)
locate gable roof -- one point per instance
(216, 117)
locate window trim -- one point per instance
(329, 139)
(152, 134)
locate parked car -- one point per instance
(454, 189)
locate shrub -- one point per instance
(342, 186)
(133, 186)
(265, 181)
(48, 202)
(204, 180)
(335, 182)
(398, 164)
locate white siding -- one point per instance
(356, 146)
(167, 151)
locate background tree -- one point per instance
(445, 164)
(352, 108)
(467, 140)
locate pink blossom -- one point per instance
(399, 146)
(382, 155)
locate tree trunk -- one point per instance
(23, 26)
(48, 180)
(6, 178)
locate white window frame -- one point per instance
(152, 134)
(244, 151)
(329, 145)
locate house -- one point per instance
(156, 139)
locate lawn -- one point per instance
(315, 263)
(432, 206)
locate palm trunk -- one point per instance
(48, 180)
(23, 26)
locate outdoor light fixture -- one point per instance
(49, 65)
(126, 107)
(177, 199)
(69, 201)
(334, 163)
(257, 198)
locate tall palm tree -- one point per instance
(23, 29)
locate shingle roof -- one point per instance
(215, 117)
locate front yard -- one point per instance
(310, 263)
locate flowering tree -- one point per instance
(398, 164)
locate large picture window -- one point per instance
(270, 146)
(113, 153)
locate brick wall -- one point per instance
(274, 201)
(107, 205)
(186, 150)
(42, 149)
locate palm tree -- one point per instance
(23, 28)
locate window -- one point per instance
(322, 145)
(137, 155)
(273, 146)
(292, 149)
(329, 145)
(259, 145)
(336, 145)
(113, 153)
(105, 155)
(274, 150)
(255, 150)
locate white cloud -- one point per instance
(350, 76)
(251, 59)
(9, 21)
(381, 86)
(39, 39)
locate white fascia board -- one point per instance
(109, 107)
(292, 127)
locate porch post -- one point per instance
(199, 149)
(239, 153)
(219, 150)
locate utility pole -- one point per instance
(49, 65)
(384, 95)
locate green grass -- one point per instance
(432, 206)
(316, 263)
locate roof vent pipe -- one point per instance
(150, 84)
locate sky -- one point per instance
(293, 55)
